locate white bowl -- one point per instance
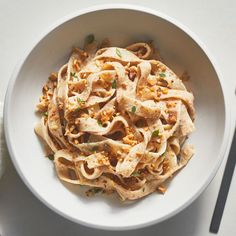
(122, 24)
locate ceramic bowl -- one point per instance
(122, 24)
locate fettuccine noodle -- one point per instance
(116, 119)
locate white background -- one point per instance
(21, 21)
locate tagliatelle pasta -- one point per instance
(116, 119)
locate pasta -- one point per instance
(116, 119)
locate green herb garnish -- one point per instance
(135, 174)
(45, 113)
(118, 52)
(114, 84)
(155, 133)
(95, 190)
(80, 100)
(89, 38)
(162, 75)
(133, 109)
(99, 123)
(74, 75)
(50, 157)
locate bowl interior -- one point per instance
(180, 53)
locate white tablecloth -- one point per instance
(21, 214)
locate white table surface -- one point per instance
(21, 214)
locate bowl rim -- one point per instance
(141, 9)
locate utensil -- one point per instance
(224, 188)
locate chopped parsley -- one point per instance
(95, 190)
(162, 75)
(99, 123)
(89, 38)
(80, 100)
(50, 157)
(73, 75)
(155, 133)
(114, 84)
(118, 53)
(133, 109)
(135, 174)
